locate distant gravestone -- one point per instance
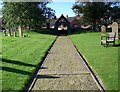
(115, 28)
(20, 31)
(8, 31)
(4, 32)
(103, 29)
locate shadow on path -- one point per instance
(47, 76)
(43, 67)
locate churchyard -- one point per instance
(19, 62)
(68, 54)
(21, 57)
(104, 60)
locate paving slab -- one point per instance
(64, 69)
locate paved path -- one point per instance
(64, 69)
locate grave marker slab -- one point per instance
(115, 28)
(103, 29)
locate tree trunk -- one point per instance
(20, 31)
(48, 25)
(14, 33)
(8, 31)
(11, 30)
(94, 25)
(29, 27)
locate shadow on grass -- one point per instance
(47, 77)
(81, 30)
(46, 31)
(117, 45)
(58, 33)
(89, 30)
(8, 69)
(16, 62)
(111, 45)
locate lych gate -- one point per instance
(62, 25)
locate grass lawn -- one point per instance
(104, 60)
(20, 56)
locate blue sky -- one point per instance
(0, 4)
(62, 8)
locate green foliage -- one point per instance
(20, 57)
(90, 9)
(103, 60)
(19, 13)
(24, 14)
(95, 11)
(115, 13)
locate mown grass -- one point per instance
(103, 60)
(20, 57)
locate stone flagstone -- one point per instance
(64, 69)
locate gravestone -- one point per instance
(115, 28)
(8, 31)
(103, 29)
(20, 31)
(4, 32)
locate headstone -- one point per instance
(8, 31)
(14, 33)
(115, 28)
(4, 33)
(103, 29)
(20, 31)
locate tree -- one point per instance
(14, 15)
(93, 11)
(115, 13)
(23, 14)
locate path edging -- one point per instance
(93, 74)
(29, 85)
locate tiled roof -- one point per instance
(70, 19)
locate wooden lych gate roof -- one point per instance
(62, 17)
